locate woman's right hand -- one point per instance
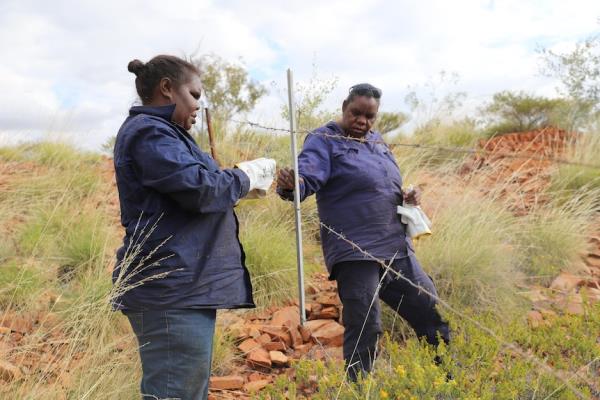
(285, 179)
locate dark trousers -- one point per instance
(357, 287)
(176, 351)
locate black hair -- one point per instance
(148, 75)
(363, 89)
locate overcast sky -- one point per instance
(63, 63)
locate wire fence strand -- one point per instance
(448, 149)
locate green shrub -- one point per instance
(552, 237)
(571, 178)
(267, 233)
(18, 283)
(84, 242)
(470, 254)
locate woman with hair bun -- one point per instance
(181, 258)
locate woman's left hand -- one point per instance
(412, 196)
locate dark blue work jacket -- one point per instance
(358, 187)
(181, 247)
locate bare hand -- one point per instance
(285, 179)
(413, 196)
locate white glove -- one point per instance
(261, 173)
(417, 223)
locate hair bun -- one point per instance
(135, 66)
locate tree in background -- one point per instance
(227, 86)
(520, 111)
(579, 73)
(435, 102)
(389, 121)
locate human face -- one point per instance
(186, 98)
(358, 116)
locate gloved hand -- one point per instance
(261, 173)
(417, 223)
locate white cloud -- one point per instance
(64, 63)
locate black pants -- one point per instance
(357, 286)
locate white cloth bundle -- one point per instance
(417, 223)
(261, 173)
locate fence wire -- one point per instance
(448, 149)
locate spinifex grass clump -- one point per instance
(267, 233)
(553, 236)
(224, 352)
(470, 255)
(572, 177)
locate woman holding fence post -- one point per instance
(358, 187)
(181, 259)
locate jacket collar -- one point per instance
(164, 112)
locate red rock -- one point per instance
(255, 376)
(328, 300)
(248, 345)
(259, 358)
(5, 330)
(278, 333)
(275, 346)
(263, 339)
(305, 333)
(329, 334)
(315, 324)
(302, 350)
(255, 386)
(253, 332)
(279, 359)
(327, 313)
(297, 339)
(287, 316)
(230, 382)
(566, 282)
(307, 308)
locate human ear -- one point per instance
(166, 88)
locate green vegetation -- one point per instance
(553, 237)
(483, 368)
(471, 256)
(572, 178)
(521, 112)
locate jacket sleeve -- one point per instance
(163, 162)
(314, 167)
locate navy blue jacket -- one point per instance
(181, 247)
(358, 186)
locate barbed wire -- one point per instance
(449, 149)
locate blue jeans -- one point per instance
(176, 352)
